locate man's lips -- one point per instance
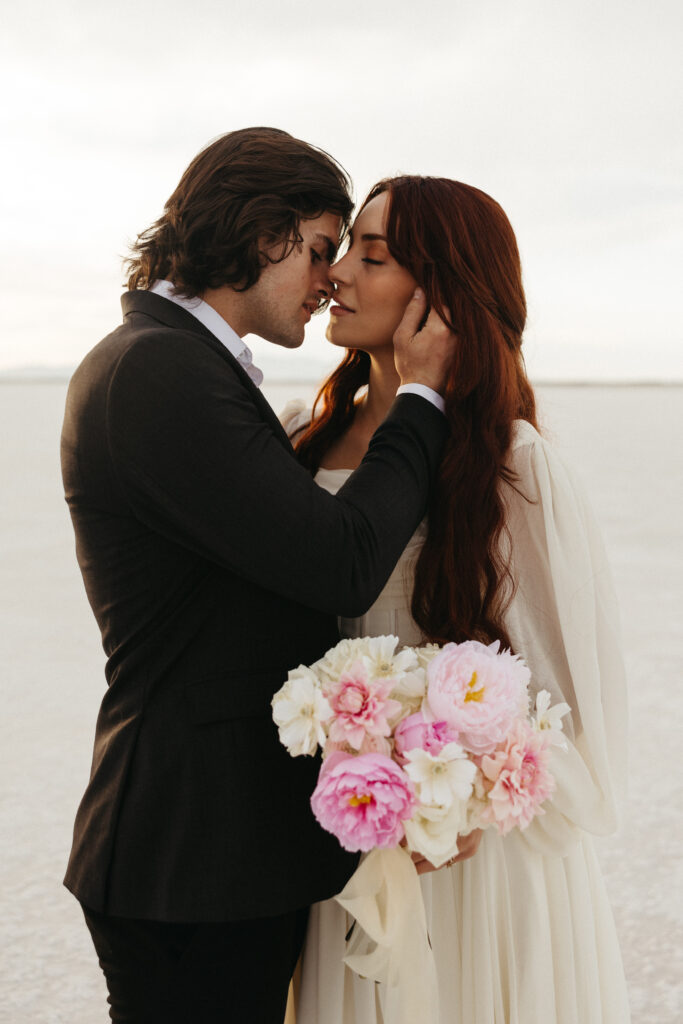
(310, 308)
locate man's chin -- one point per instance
(287, 342)
(286, 335)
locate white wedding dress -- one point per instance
(522, 932)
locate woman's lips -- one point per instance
(338, 310)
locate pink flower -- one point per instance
(416, 732)
(370, 745)
(479, 691)
(361, 706)
(363, 801)
(517, 778)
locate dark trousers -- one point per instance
(208, 973)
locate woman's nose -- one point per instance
(339, 271)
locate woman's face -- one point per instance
(372, 290)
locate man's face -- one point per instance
(287, 293)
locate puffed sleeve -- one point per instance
(294, 417)
(563, 619)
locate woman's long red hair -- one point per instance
(459, 246)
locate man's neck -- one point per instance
(228, 304)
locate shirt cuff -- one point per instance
(421, 389)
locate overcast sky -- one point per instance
(569, 114)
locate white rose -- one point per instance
(433, 831)
(300, 710)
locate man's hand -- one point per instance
(467, 847)
(423, 357)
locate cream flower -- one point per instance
(382, 662)
(425, 654)
(299, 710)
(433, 831)
(334, 661)
(411, 689)
(550, 719)
(375, 652)
(441, 778)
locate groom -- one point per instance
(213, 565)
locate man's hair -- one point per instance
(245, 193)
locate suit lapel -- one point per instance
(174, 316)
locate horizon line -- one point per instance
(62, 374)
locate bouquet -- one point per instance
(420, 745)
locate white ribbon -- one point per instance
(389, 942)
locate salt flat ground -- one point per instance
(626, 443)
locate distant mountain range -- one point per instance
(276, 370)
(302, 371)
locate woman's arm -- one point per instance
(563, 619)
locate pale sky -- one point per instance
(568, 114)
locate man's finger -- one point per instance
(414, 312)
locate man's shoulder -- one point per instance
(145, 345)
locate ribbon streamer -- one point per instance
(391, 944)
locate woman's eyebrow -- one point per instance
(373, 238)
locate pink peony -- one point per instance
(361, 706)
(416, 732)
(517, 778)
(479, 691)
(363, 801)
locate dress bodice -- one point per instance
(390, 614)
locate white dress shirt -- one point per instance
(215, 323)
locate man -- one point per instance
(214, 564)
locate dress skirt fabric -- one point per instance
(518, 938)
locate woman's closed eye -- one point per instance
(375, 263)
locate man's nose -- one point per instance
(324, 283)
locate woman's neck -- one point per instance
(382, 385)
(348, 450)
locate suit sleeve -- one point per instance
(199, 464)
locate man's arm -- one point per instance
(199, 465)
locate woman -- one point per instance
(522, 931)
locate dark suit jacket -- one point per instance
(213, 564)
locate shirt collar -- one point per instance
(215, 323)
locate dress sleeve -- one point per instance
(294, 417)
(563, 619)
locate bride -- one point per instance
(521, 927)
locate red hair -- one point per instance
(460, 247)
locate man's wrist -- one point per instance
(425, 392)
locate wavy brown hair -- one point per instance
(246, 188)
(459, 246)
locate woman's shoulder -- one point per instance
(538, 468)
(295, 416)
(527, 447)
